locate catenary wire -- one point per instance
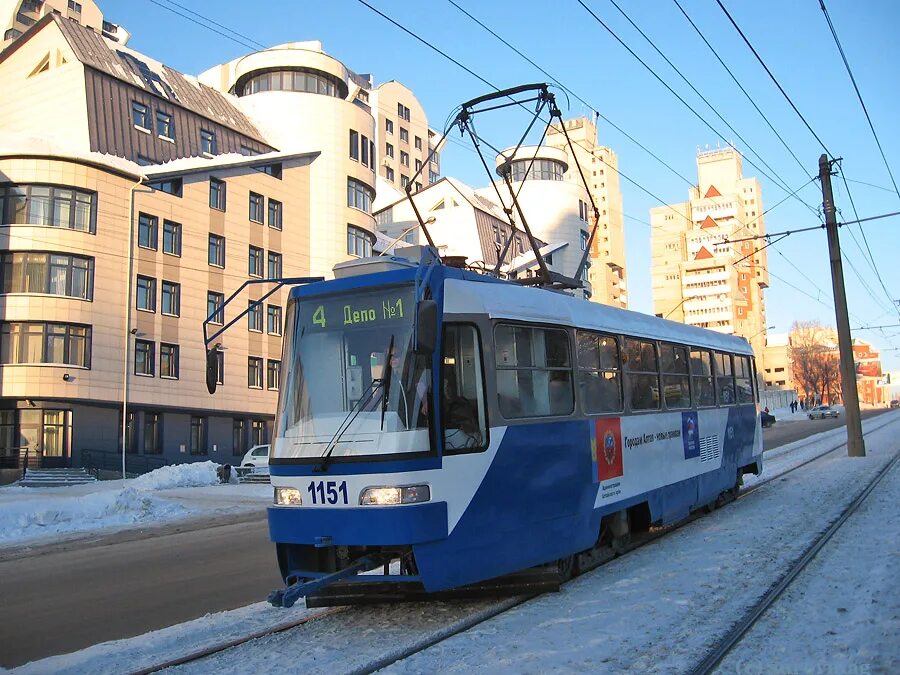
(858, 94)
(773, 78)
(741, 87)
(214, 30)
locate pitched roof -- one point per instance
(712, 192)
(703, 254)
(157, 79)
(708, 222)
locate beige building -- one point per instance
(778, 371)
(600, 166)
(17, 16)
(134, 200)
(700, 276)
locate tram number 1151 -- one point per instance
(327, 492)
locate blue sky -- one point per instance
(792, 37)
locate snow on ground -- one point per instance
(171, 493)
(654, 610)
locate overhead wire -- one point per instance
(773, 78)
(252, 44)
(859, 95)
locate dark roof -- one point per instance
(156, 79)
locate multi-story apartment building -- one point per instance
(17, 16)
(403, 137)
(699, 275)
(600, 166)
(135, 199)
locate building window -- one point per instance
(289, 80)
(257, 207)
(238, 437)
(254, 372)
(273, 374)
(402, 112)
(388, 149)
(255, 262)
(39, 342)
(273, 169)
(165, 125)
(198, 435)
(216, 256)
(170, 298)
(404, 158)
(274, 265)
(404, 180)
(130, 445)
(539, 169)
(148, 227)
(171, 186)
(418, 143)
(75, 6)
(359, 195)
(275, 214)
(354, 145)
(168, 360)
(217, 194)
(207, 142)
(404, 135)
(254, 316)
(273, 320)
(418, 165)
(388, 126)
(140, 115)
(146, 294)
(144, 357)
(215, 311)
(585, 237)
(50, 206)
(372, 155)
(67, 275)
(152, 436)
(258, 433)
(171, 238)
(389, 173)
(359, 242)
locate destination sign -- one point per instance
(358, 311)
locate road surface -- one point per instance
(60, 598)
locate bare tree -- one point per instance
(815, 361)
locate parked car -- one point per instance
(766, 419)
(895, 403)
(257, 456)
(820, 412)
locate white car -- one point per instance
(257, 456)
(820, 412)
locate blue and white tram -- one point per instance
(471, 427)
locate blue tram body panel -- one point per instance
(538, 492)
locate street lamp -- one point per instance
(761, 331)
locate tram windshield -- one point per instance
(353, 386)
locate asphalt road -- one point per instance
(58, 601)
(64, 597)
(789, 432)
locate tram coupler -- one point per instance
(286, 597)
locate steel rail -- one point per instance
(467, 623)
(751, 616)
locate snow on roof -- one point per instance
(19, 144)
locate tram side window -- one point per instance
(701, 374)
(642, 375)
(725, 379)
(743, 375)
(676, 381)
(754, 378)
(599, 381)
(464, 426)
(534, 371)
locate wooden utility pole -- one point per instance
(856, 446)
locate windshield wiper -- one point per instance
(346, 423)
(386, 379)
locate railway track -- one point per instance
(753, 614)
(506, 604)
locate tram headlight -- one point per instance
(388, 496)
(288, 496)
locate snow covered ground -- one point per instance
(655, 610)
(30, 516)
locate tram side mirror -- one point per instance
(427, 327)
(212, 370)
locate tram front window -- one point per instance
(354, 386)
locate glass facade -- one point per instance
(294, 80)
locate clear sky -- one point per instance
(792, 37)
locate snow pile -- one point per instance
(21, 520)
(195, 474)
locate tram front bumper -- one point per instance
(358, 526)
